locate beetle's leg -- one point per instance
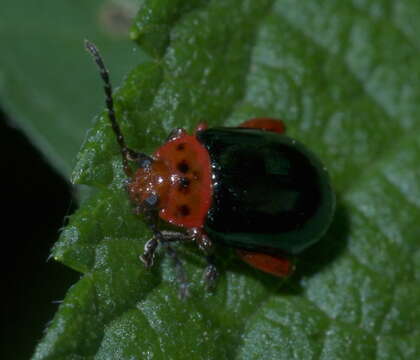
(148, 209)
(169, 236)
(206, 246)
(148, 256)
(180, 273)
(164, 238)
(210, 273)
(161, 237)
(201, 239)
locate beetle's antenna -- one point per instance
(127, 154)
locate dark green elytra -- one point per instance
(269, 191)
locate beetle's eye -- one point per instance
(144, 162)
(151, 200)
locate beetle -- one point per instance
(251, 188)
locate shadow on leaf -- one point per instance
(310, 262)
(329, 248)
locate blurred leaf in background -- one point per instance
(344, 76)
(49, 90)
(47, 84)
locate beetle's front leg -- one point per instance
(160, 237)
(148, 256)
(164, 238)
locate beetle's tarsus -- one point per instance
(149, 253)
(210, 274)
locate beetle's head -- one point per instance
(149, 185)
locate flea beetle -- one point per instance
(250, 188)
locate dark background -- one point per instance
(35, 202)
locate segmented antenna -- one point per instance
(127, 154)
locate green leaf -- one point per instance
(48, 85)
(344, 77)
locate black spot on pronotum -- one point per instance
(183, 166)
(180, 147)
(184, 210)
(184, 183)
